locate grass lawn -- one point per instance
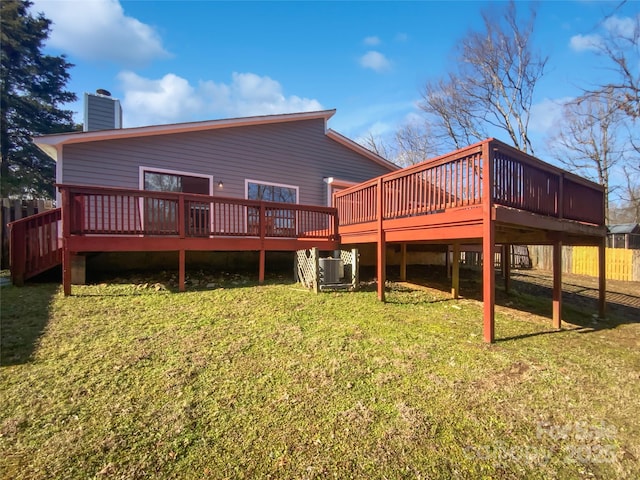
(272, 381)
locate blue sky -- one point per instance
(173, 61)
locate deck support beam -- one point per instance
(403, 262)
(181, 270)
(602, 278)
(381, 242)
(488, 244)
(455, 275)
(66, 232)
(488, 283)
(261, 268)
(557, 284)
(382, 266)
(263, 234)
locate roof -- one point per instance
(51, 144)
(624, 228)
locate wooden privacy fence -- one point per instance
(621, 264)
(12, 210)
(519, 256)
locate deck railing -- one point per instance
(35, 245)
(111, 211)
(527, 183)
(455, 180)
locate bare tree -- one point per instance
(617, 43)
(377, 145)
(492, 86)
(618, 46)
(588, 139)
(450, 112)
(414, 143)
(631, 195)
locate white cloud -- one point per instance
(357, 122)
(372, 41)
(621, 26)
(375, 61)
(546, 114)
(381, 128)
(613, 26)
(99, 30)
(582, 43)
(414, 118)
(173, 99)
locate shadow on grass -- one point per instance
(25, 315)
(538, 334)
(531, 291)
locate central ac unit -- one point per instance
(331, 270)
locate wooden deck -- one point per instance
(488, 194)
(96, 219)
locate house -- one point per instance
(624, 235)
(266, 184)
(292, 159)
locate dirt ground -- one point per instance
(622, 297)
(579, 293)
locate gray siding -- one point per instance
(101, 113)
(294, 153)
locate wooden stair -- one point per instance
(35, 245)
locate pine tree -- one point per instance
(32, 89)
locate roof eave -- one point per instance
(46, 141)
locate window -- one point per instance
(161, 215)
(272, 192)
(169, 182)
(280, 222)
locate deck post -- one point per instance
(382, 247)
(66, 233)
(488, 244)
(455, 276)
(506, 266)
(557, 284)
(602, 277)
(261, 268)
(263, 234)
(315, 256)
(182, 217)
(403, 262)
(181, 268)
(355, 269)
